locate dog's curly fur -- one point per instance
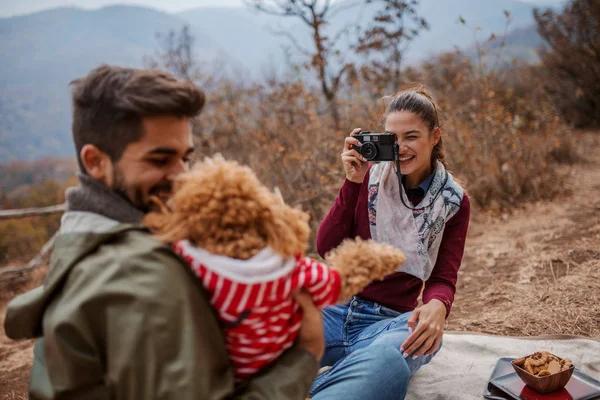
(222, 207)
(359, 262)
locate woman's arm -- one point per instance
(441, 284)
(339, 222)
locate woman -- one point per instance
(380, 338)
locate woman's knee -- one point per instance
(386, 354)
(387, 362)
(377, 369)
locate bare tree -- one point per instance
(572, 59)
(176, 54)
(316, 15)
(483, 75)
(394, 26)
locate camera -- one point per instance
(376, 146)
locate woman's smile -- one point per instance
(405, 160)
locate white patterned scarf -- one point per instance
(418, 233)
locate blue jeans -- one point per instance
(362, 343)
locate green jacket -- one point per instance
(121, 317)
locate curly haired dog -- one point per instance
(246, 246)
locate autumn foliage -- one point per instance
(503, 137)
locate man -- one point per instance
(120, 316)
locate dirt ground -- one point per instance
(532, 272)
(16, 357)
(536, 271)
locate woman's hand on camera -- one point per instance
(355, 165)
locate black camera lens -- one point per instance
(368, 151)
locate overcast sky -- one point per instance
(17, 7)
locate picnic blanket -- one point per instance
(462, 367)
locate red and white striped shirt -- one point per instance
(253, 299)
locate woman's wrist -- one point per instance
(438, 304)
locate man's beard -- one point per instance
(120, 187)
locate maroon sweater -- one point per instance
(399, 291)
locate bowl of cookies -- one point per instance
(543, 371)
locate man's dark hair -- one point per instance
(110, 102)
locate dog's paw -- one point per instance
(360, 262)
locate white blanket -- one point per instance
(461, 369)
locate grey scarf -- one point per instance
(93, 196)
(418, 233)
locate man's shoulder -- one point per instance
(135, 241)
(134, 257)
(121, 242)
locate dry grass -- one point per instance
(567, 304)
(13, 396)
(536, 270)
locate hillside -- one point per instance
(16, 176)
(42, 52)
(520, 44)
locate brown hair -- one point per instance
(110, 102)
(420, 102)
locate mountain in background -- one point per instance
(42, 52)
(522, 44)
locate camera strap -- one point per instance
(400, 187)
